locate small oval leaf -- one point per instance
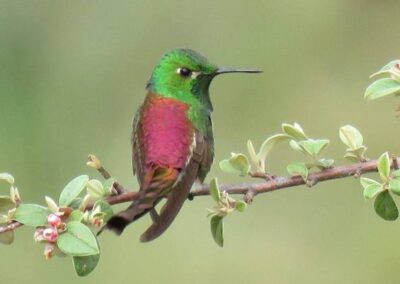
(31, 215)
(268, 144)
(78, 240)
(385, 206)
(365, 182)
(217, 229)
(384, 166)
(237, 164)
(313, 147)
(394, 186)
(351, 137)
(294, 131)
(372, 190)
(84, 265)
(298, 168)
(72, 190)
(381, 88)
(214, 190)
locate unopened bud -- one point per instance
(52, 204)
(93, 162)
(84, 203)
(14, 194)
(54, 220)
(50, 235)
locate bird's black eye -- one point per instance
(184, 72)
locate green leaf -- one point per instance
(394, 186)
(384, 166)
(32, 215)
(78, 240)
(268, 144)
(237, 164)
(76, 215)
(7, 238)
(72, 190)
(214, 190)
(217, 229)
(313, 147)
(254, 160)
(385, 206)
(294, 131)
(6, 204)
(240, 205)
(386, 69)
(95, 189)
(365, 182)
(298, 168)
(381, 88)
(84, 265)
(351, 137)
(372, 190)
(325, 163)
(104, 208)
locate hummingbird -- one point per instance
(172, 138)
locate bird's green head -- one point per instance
(186, 75)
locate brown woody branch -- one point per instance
(250, 189)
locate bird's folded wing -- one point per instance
(179, 192)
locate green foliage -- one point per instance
(237, 164)
(72, 190)
(298, 168)
(385, 86)
(295, 131)
(384, 166)
(217, 229)
(65, 229)
(353, 139)
(225, 205)
(78, 240)
(371, 187)
(385, 206)
(32, 215)
(214, 190)
(84, 265)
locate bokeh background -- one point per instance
(72, 73)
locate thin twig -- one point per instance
(254, 188)
(10, 226)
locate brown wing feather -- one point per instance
(179, 192)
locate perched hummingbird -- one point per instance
(172, 138)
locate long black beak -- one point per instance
(223, 70)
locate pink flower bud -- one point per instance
(54, 220)
(50, 235)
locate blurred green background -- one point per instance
(72, 73)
